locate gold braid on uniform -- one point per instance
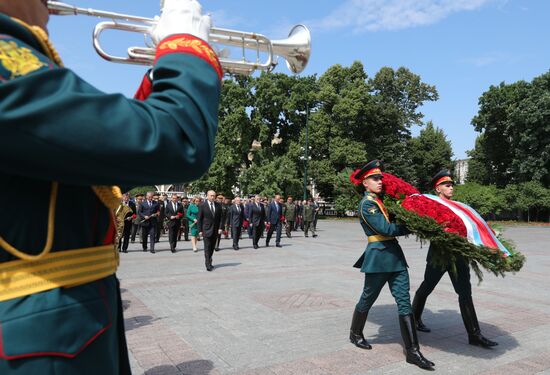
(109, 195)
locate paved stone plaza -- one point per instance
(288, 310)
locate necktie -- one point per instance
(174, 204)
(238, 208)
(212, 207)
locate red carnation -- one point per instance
(179, 214)
(134, 216)
(396, 187)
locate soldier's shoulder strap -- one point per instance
(366, 202)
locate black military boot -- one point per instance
(418, 308)
(356, 331)
(471, 323)
(408, 332)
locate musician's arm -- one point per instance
(56, 126)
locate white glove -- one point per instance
(181, 17)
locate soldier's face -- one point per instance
(289, 200)
(373, 184)
(446, 190)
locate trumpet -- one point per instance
(295, 49)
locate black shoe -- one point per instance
(306, 236)
(480, 340)
(356, 331)
(173, 250)
(152, 251)
(418, 308)
(408, 333)
(256, 247)
(209, 268)
(266, 245)
(124, 251)
(471, 323)
(278, 245)
(145, 250)
(217, 249)
(314, 235)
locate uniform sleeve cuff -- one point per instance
(187, 43)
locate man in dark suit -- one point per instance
(247, 214)
(236, 218)
(221, 199)
(257, 220)
(160, 221)
(184, 229)
(208, 222)
(174, 212)
(148, 212)
(274, 212)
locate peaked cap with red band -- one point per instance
(372, 168)
(441, 177)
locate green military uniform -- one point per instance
(289, 212)
(461, 284)
(308, 216)
(56, 127)
(383, 260)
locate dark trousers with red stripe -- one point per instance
(460, 279)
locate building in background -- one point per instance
(461, 171)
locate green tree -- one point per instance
(141, 190)
(532, 198)
(431, 152)
(487, 200)
(478, 165)
(515, 121)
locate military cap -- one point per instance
(372, 168)
(441, 177)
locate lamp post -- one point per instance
(306, 149)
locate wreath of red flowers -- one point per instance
(413, 201)
(396, 187)
(423, 206)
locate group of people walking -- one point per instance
(211, 220)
